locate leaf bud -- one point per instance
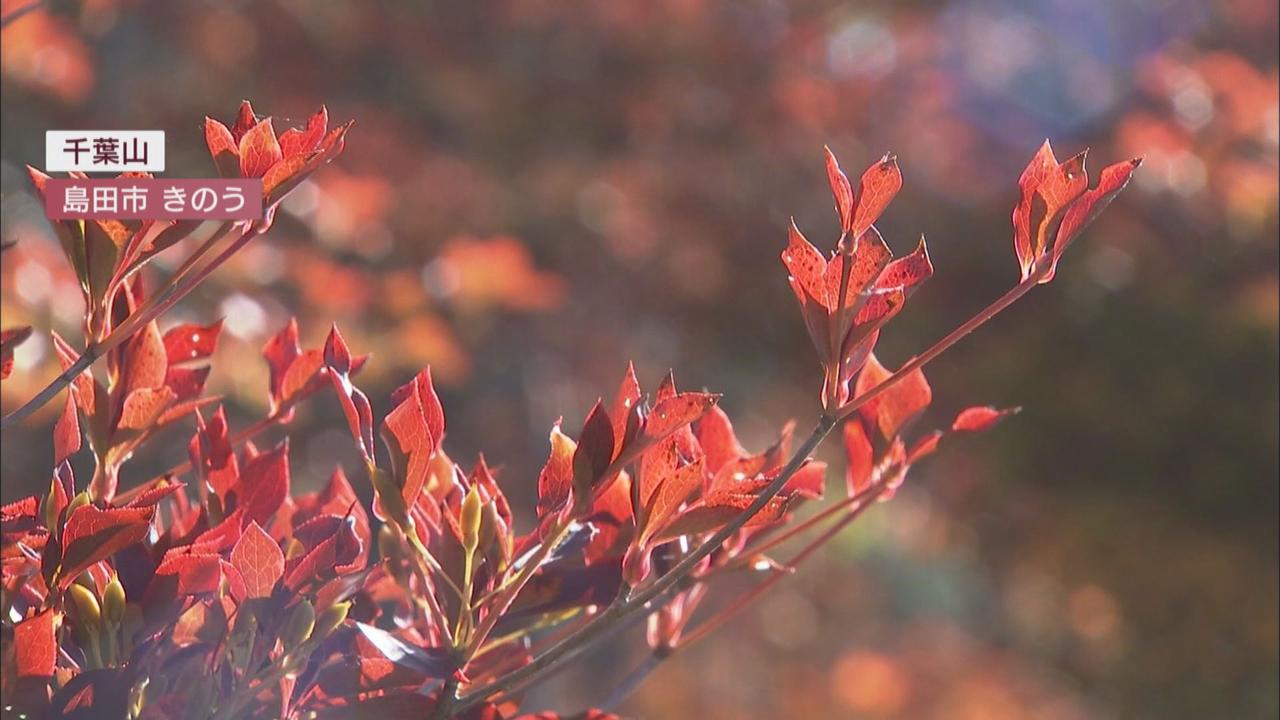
(88, 613)
(330, 619)
(469, 519)
(113, 602)
(298, 625)
(77, 502)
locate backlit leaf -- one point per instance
(259, 560)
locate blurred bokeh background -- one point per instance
(536, 191)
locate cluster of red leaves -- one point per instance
(215, 588)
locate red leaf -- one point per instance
(189, 342)
(337, 356)
(859, 456)
(332, 548)
(1047, 189)
(144, 407)
(623, 404)
(655, 465)
(592, 714)
(719, 508)
(222, 148)
(808, 482)
(27, 507)
(212, 454)
(295, 141)
(259, 150)
(1043, 163)
(145, 361)
(897, 405)
(840, 190)
(259, 560)
(925, 446)
(84, 382)
(715, 435)
(66, 431)
(672, 413)
(196, 572)
(806, 267)
(876, 189)
(337, 498)
(264, 484)
(11, 338)
(417, 423)
(907, 272)
(36, 646)
(869, 258)
(152, 496)
(981, 419)
(281, 351)
(355, 404)
(1111, 181)
(555, 482)
(671, 493)
(610, 518)
(222, 536)
(245, 120)
(92, 534)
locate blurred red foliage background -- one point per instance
(540, 191)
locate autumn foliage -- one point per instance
(215, 591)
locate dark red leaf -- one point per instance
(92, 534)
(594, 452)
(264, 484)
(332, 548)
